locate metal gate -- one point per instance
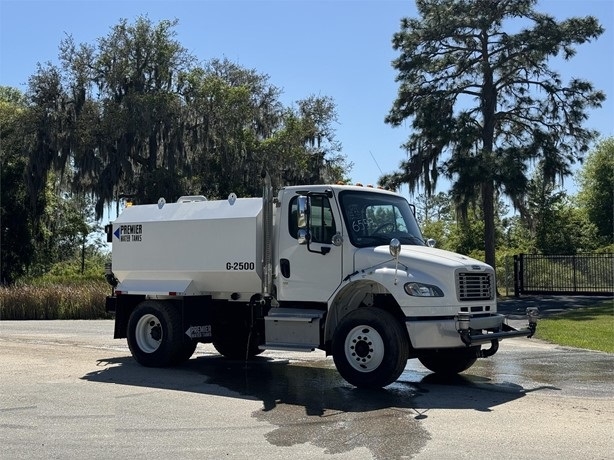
(580, 274)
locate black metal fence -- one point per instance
(580, 274)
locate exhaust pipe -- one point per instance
(267, 235)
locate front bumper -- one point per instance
(471, 335)
(466, 329)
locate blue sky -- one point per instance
(336, 48)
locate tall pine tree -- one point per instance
(475, 82)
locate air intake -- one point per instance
(474, 286)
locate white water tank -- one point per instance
(202, 247)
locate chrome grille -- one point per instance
(474, 286)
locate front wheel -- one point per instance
(449, 361)
(155, 335)
(370, 348)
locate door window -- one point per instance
(322, 223)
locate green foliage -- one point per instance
(556, 232)
(10, 98)
(452, 230)
(74, 270)
(483, 102)
(159, 125)
(554, 222)
(605, 249)
(597, 189)
(435, 230)
(466, 236)
(515, 237)
(64, 231)
(16, 231)
(505, 270)
(133, 116)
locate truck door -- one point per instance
(304, 275)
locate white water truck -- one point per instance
(339, 268)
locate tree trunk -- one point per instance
(489, 106)
(488, 206)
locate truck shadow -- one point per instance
(309, 402)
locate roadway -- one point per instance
(68, 390)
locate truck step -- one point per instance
(286, 347)
(294, 329)
(293, 314)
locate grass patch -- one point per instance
(591, 328)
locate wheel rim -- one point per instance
(148, 333)
(364, 348)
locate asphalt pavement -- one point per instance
(70, 391)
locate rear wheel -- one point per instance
(155, 335)
(370, 348)
(449, 361)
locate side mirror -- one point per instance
(395, 247)
(302, 217)
(431, 243)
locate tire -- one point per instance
(231, 334)
(449, 361)
(155, 335)
(370, 348)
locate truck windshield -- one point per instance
(373, 219)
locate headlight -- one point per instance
(423, 290)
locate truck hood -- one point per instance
(416, 257)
